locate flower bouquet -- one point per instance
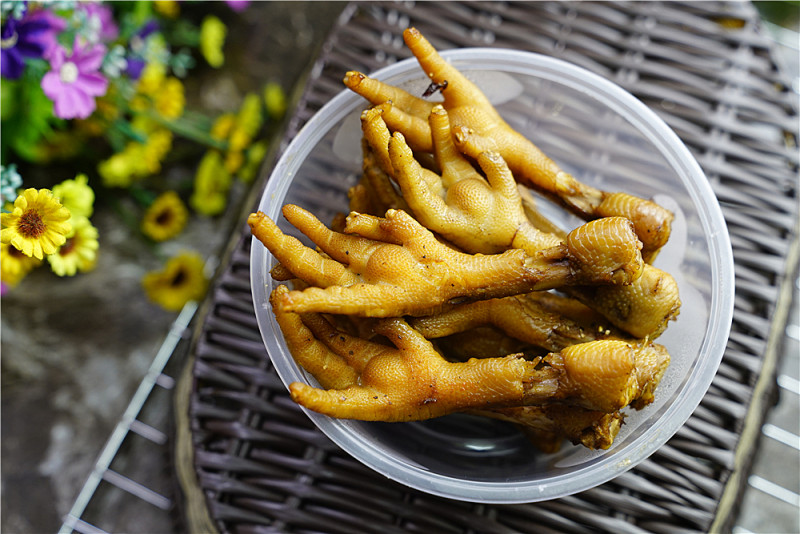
(98, 90)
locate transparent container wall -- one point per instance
(594, 140)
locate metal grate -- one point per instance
(139, 441)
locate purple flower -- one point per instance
(103, 17)
(74, 81)
(56, 25)
(21, 39)
(238, 5)
(136, 62)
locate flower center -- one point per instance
(67, 247)
(10, 41)
(164, 218)
(31, 224)
(16, 253)
(69, 72)
(179, 279)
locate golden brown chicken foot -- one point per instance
(413, 382)
(548, 425)
(479, 128)
(488, 217)
(397, 267)
(604, 375)
(527, 317)
(477, 214)
(626, 314)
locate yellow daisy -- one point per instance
(167, 8)
(14, 265)
(182, 279)
(223, 126)
(170, 99)
(165, 218)
(249, 118)
(38, 225)
(79, 252)
(158, 145)
(274, 100)
(76, 195)
(212, 38)
(255, 157)
(211, 185)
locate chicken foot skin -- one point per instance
(410, 381)
(477, 214)
(393, 266)
(478, 128)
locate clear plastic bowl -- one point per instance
(603, 136)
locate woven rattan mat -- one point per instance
(248, 460)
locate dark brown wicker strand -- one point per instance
(259, 463)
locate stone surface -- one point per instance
(75, 349)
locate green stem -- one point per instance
(187, 130)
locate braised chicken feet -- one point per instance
(478, 128)
(486, 215)
(410, 381)
(393, 266)
(477, 214)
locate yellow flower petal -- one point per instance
(79, 252)
(76, 195)
(212, 38)
(170, 100)
(38, 225)
(211, 185)
(182, 280)
(14, 265)
(165, 218)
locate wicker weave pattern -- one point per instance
(265, 468)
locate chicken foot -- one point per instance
(548, 425)
(410, 381)
(527, 317)
(393, 266)
(478, 128)
(477, 214)
(483, 216)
